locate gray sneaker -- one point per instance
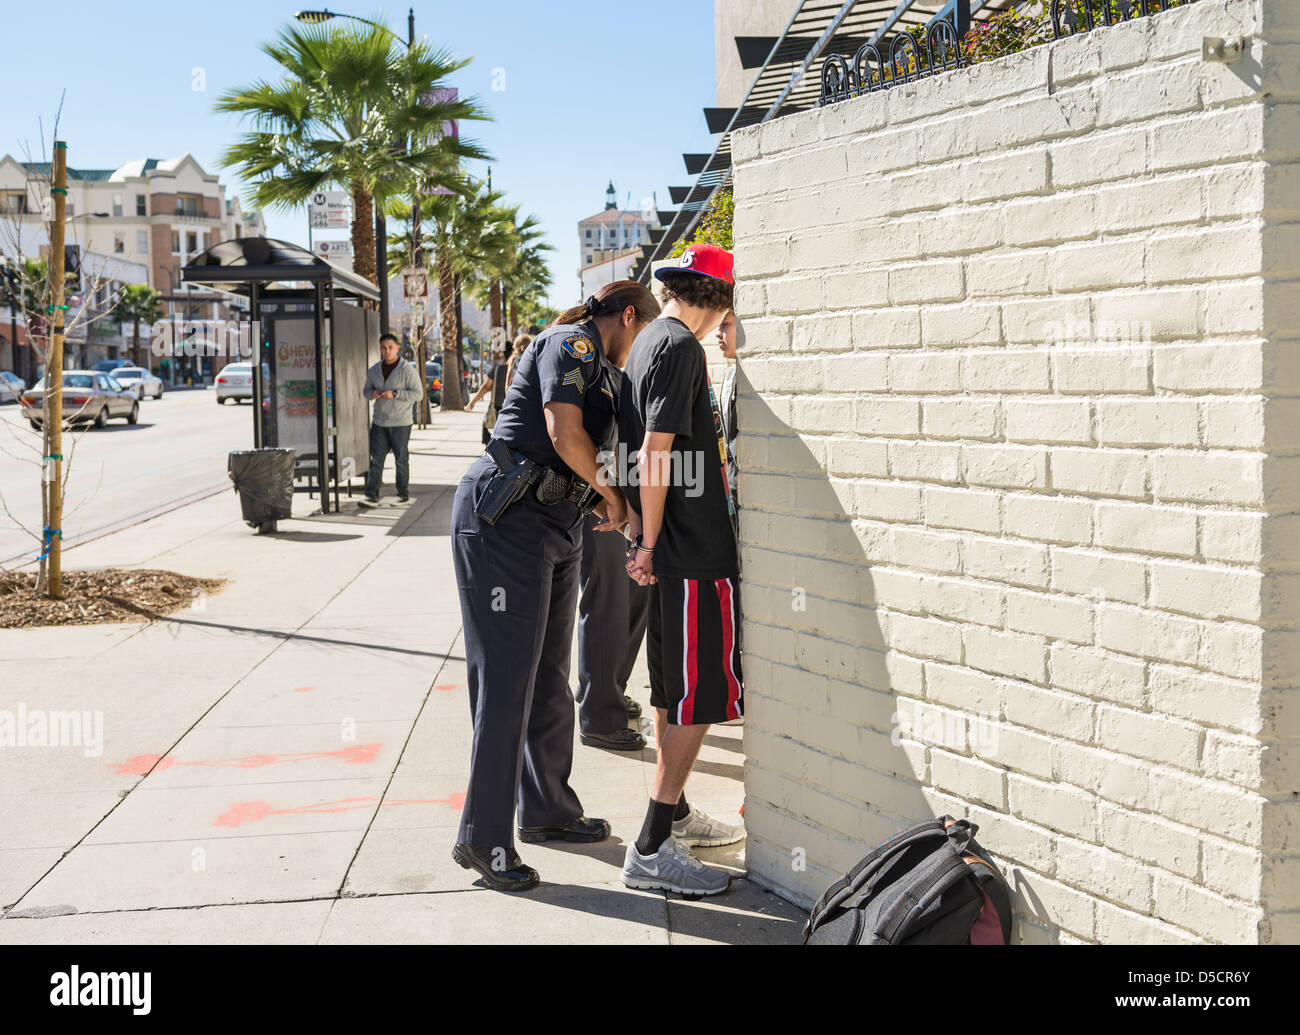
(699, 829)
(673, 868)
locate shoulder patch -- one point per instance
(579, 347)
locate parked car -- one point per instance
(89, 397)
(11, 387)
(433, 374)
(107, 366)
(140, 381)
(235, 381)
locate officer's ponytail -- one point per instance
(611, 300)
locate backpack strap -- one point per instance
(940, 873)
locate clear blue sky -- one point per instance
(594, 90)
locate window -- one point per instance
(117, 205)
(140, 206)
(15, 202)
(191, 243)
(119, 246)
(142, 241)
(588, 235)
(189, 205)
(176, 242)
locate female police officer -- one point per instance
(517, 547)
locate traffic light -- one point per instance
(72, 267)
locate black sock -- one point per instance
(658, 827)
(683, 810)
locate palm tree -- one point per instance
(459, 233)
(529, 278)
(353, 110)
(139, 302)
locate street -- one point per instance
(120, 474)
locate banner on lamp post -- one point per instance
(450, 128)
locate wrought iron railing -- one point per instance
(905, 59)
(1070, 17)
(937, 48)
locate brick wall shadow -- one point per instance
(830, 771)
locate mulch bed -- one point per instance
(91, 597)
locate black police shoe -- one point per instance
(624, 739)
(633, 708)
(581, 829)
(517, 877)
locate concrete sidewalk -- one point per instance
(285, 762)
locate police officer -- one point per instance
(517, 547)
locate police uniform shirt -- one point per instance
(564, 364)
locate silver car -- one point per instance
(235, 381)
(11, 387)
(89, 397)
(139, 381)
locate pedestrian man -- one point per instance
(685, 550)
(393, 385)
(517, 545)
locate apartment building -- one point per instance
(149, 213)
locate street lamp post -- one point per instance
(381, 221)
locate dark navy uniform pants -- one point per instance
(518, 584)
(612, 616)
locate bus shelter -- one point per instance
(310, 342)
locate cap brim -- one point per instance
(659, 273)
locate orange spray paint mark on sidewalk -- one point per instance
(142, 764)
(303, 689)
(449, 686)
(252, 811)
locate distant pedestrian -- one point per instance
(496, 384)
(393, 385)
(522, 342)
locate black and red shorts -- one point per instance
(694, 650)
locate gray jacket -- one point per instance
(398, 412)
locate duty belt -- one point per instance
(516, 474)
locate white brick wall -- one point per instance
(1020, 410)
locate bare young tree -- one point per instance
(27, 288)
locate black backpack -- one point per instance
(930, 885)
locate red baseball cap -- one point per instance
(708, 260)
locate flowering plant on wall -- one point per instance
(1031, 24)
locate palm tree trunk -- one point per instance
(494, 305)
(451, 395)
(136, 355)
(363, 234)
(514, 319)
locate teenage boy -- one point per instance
(683, 521)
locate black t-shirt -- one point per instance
(566, 364)
(666, 389)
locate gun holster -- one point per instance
(504, 489)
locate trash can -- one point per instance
(264, 480)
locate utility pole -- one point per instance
(417, 262)
(52, 466)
